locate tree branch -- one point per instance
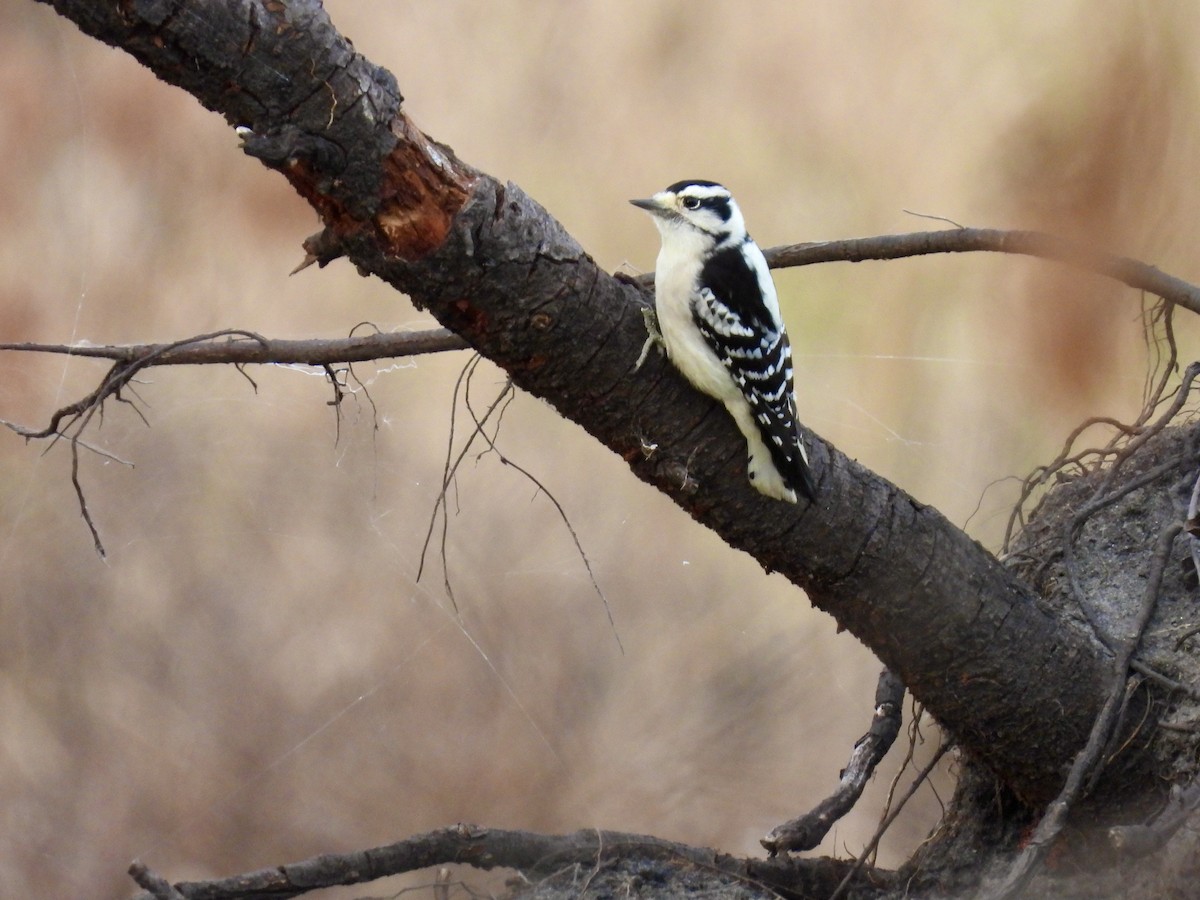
(537, 856)
(868, 851)
(240, 350)
(881, 247)
(969, 240)
(808, 830)
(1017, 685)
(154, 884)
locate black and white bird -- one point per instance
(718, 318)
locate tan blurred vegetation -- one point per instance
(253, 676)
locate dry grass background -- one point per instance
(253, 675)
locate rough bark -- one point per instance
(807, 831)
(1016, 684)
(1121, 528)
(594, 861)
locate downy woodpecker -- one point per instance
(718, 318)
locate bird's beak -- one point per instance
(651, 205)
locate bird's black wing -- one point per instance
(751, 343)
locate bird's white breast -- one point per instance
(675, 278)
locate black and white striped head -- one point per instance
(704, 207)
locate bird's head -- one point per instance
(694, 206)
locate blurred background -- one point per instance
(253, 675)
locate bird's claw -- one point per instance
(654, 337)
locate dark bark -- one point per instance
(970, 240)
(1018, 686)
(601, 855)
(242, 348)
(807, 831)
(1125, 577)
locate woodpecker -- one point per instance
(718, 319)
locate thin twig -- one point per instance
(914, 736)
(451, 470)
(1161, 313)
(147, 879)
(247, 349)
(1127, 437)
(70, 421)
(969, 240)
(931, 217)
(536, 482)
(1147, 432)
(920, 779)
(1124, 445)
(808, 830)
(1151, 674)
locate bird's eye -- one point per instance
(691, 202)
